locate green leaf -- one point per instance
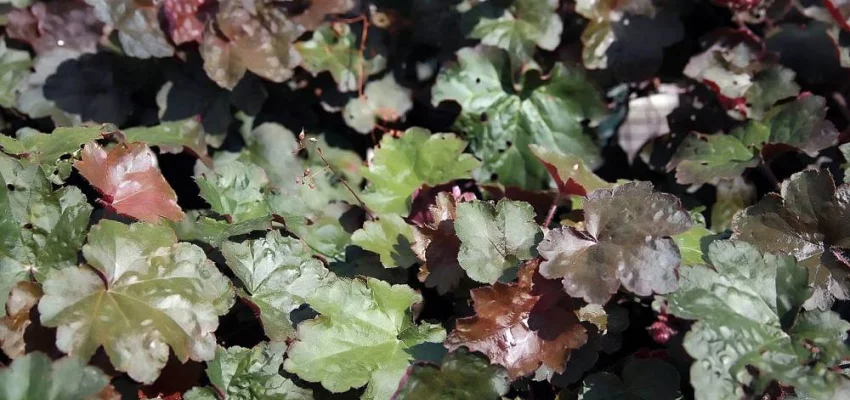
(141, 293)
(382, 100)
(462, 376)
(526, 24)
(750, 330)
(390, 237)
(642, 379)
(252, 374)
(277, 274)
(690, 242)
(361, 337)
(806, 220)
(235, 190)
(627, 241)
(501, 123)
(733, 195)
(41, 230)
(173, 136)
(14, 70)
(333, 48)
(199, 225)
(495, 238)
(46, 149)
(36, 377)
(802, 124)
(708, 158)
(401, 166)
(769, 86)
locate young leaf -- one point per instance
(521, 325)
(437, 245)
(463, 375)
(35, 376)
(750, 330)
(257, 37)
(14, 70)
(128, 177)
(525, 25)
(627, 242)
(495, 238)
(22, 298)
(807, 220)
(500, 125)
(364, 329)
(333, 48)
(242, 373)
(41, 230)
(277, 274)
(690, 242)
(648, 379)
(382, 100)
(570, 174)
(137, 26)
(142, 292)
(733, 195)
(390, 237)
(400, 166)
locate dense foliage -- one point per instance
(424, 199)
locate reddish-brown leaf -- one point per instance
(522, 325)
(183, 21)
(437, 245)
(68, 24)
(129, 179)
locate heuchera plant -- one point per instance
(417, 200)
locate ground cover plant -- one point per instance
(430, 199)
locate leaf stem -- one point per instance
(551, 213)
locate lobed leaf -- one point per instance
(141, 293)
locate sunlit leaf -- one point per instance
(129, 179)
(257, 37)
(750, 330)
(525, 25)
(137, 25)
(141, 293)
(500, 124)
(22, 298)
(333, 48)
(521, 325)
(47, 150)
(495, 237)
(417, 158)
(253, 374)
(173, 136)
(364, 329)
(35, 376)
(382, 100)
(570, 174)
(390, 237)
(41, 229)
(278, 273)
